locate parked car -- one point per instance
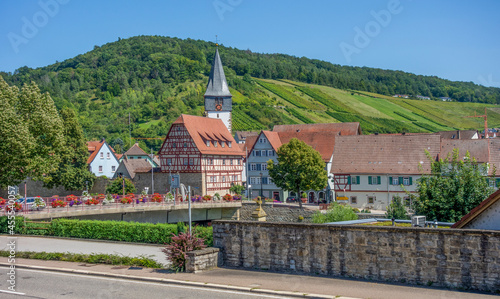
(29, 201)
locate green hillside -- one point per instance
(155, 79)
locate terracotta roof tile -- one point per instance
(135, 150)
(323, 142)
(94, 147)
(478, 148)
(198, 126)
(384, 154)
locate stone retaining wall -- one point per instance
(468, 259)
(201, 260)
(276, 213)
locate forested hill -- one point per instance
(156, 78)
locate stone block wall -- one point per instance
(468, 259)
(202, 260)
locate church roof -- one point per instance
(217, 84)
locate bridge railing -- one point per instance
(56, 204)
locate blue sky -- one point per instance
(456, 40)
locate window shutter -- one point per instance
(400, 179)
(498, 182)
(249, 167)
(349, 180)
(258, 167)
(357, 179)
(378, 180)
(411, 181)
(369, 180)
(390, 180)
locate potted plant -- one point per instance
(17, 207)
(216, 197)
(236, 197)
(126, 200)
(169, 197)
(228, 197)
(108, 199)
(2, 201)
(156, 197)
(38, 204)
(207, 197)
(303, 197)
(56, 203)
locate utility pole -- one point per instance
(152, 168)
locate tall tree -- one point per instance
(72, 172)
(453, 188)
(16, 141)
(299, 167)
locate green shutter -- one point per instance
(411, 181)
(349, 180)
(369, 180)
(498, 182)
(390, 180)
(400, 179)
(378, 180)
(357, 179)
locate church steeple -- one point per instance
(217, 84)
(218, 99)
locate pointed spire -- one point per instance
(217, 84)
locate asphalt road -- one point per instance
(45, 284)
(39, 244)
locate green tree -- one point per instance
(335, 213)
(16, 140)
(116, 186)
(299, 167)
(396, 209)
(236, 189)
(72, 172)
(452, 189)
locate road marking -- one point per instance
(11, 292)
(154, 283)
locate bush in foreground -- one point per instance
(335, 213)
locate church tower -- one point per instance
(218, 99)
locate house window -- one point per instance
(113, 168)
(100, 168)
(354, 180)
(191, 161)
(264, 153)
(371, 199)
(209, 161)
(231, 161)
(185, 144)
(215, 143)
(229, 144)
(169, 161)
(253, 166)
(270, 180)
(174, 145)
(223, 161)
(270, 153)
(186, 161)
(252, 181)
(223, 178)
(222, 143)
(374, 180)
(395, 181)
(354, 200)
(263, 166)
(256, 153)
(239, 162)
(262, 140)
(208, 143)
(108, 156)
(264, 180)
(102, 155)
(406, 181)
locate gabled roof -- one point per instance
(384, 154)
(94, 147)
(136, 165)
(135, 150)
(202, 129)
(344, 128)
(242, 135)
(249, 143)
(217, 85)
(483, 206)
(478, 148)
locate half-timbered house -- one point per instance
(203, 152)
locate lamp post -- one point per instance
(249, 191)
(152, 168)
(261, 193)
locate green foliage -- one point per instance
(237, 189)
(182, 244)
(116, 186)
(453, 188)
(396, 209)
(335, 213)
(181, 227)
(285, 94)
(299, 167)
(328, 101)
(299, 115)
(93, 258)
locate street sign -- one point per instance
(175, 181)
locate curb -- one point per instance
(177, 282)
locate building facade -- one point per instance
(102, 160)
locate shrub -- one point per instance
(335, 213)
(228, 197)
(116, 186)
(179, 246)
(396, 209)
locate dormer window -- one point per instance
(215, 143)
(208, 143)
(229, 143)
(222, 143)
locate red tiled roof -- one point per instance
(136, 165)
(323, 142)
(198, 126)
(135, 150)
(459, 134)
(478, 148)
(393, 154)
(94, 147)
(493, 198)
(344, 128)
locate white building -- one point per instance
(102, 160)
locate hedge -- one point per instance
(106, 230)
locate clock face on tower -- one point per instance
(218, 107)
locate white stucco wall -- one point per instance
(489, 219)
(107, 164)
